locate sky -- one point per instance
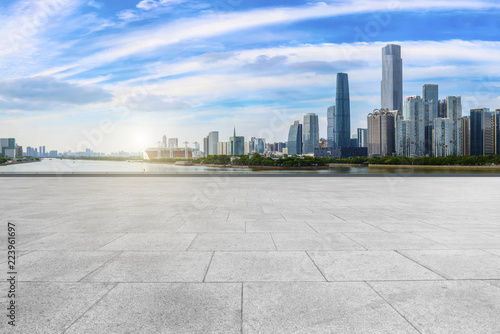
(119, 74)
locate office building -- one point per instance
(330, 114)
(294, 144)
(164, 141)
(430, 93)
(310, 135)
(418, 112)
(381, 136)
(454, 114)
(362, 137)
(340, 152)
(403, 137)
(224, 148)
(482, 134)
(237, 144)
(497, 131)
(342, 118)
(465, 135)
(441, 136)
(8, 147)
(205, 146)
(173, 142)
(213, 139)
(392, 79)
(442, 109)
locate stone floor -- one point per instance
(254, 255)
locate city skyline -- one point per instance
(193, 81)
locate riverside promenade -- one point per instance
(217, 254)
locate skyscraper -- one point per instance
(362, 138)
(430, 93)
(295, 139)
(342, 121)
(403, 137)
(330, 114)
(497, 131)
(454, 112)
(442, 109)
(482, 136)
(237, 144)
(465, 135)
(164, 141)
(381, 137)
(418, 112)
(213, 139)
(441, 137)
(392, 78)
(310, 133)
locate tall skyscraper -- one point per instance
(465, 135)
(418, 112)
(442, 109)
(454, 112)
(381, 136)
(342, 130)
(213, 139)
(237, 144)
(430, 93)
(362, 138)
(392, 78)
(164, 141)
(205, 146)
(482, 136)
(441, 137)
(294, 144)
(403, 137)
(497, 131)
(330, 114)
(310, 137)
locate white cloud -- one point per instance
(151, 4)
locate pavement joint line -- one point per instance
(422, 265)
(311, 227)
(112, 241)
(322, 274)
(241, 317)
(444, 228)
(208, 267)
(272, 238)
(408, 321)
(357, 243)
(101, 266)
(191, 242)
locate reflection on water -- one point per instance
(79, 166)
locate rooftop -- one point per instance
(388, 254)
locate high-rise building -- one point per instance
(8, 147)
(173, 142)
(205, 146)
(362, 138)
(392, 78)
(381, 136)
(294, 144)
(164, 141)
(213, 139)
(497, 131)
(442, 109)
(310, 136)
(430, 93)
(237, 144)
(342, 130)
(403, 137)
(224, 148)
(330, 114)
(465, 135)
(418, 112)
(441, 137)
(454, 112)
(482, 134)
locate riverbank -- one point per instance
(457, 167)
(264, 167)
(9, 163)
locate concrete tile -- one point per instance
(318, 308)
(314, 241)
(233, 242)
(67, 266)
(494, 283)
(369, 265)
(452, 307)
(332, 227)
(463, 240)
(278, 227)
(262, 266)
(393, 241)
(50, 307)
(459, 264)
(311, 217)
(150, 242)
(72, 241)
(412, 226)
(212, 227)
(165, 308)
(154, 267)
(493, 251)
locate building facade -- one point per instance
(482, 134)
(465, 135)
(213, 139)
(330, 130)
(454, 112)
(381, 133)
(392, 78)
(294, 144)
(8, 147)
(342, 118)
(310, 135)
(362, 137)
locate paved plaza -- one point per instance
(217, 254)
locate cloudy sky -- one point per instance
(118, 74)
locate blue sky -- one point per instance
(117, 75)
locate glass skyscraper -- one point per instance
(392, 78)
(482, 134)
(311, 133)
(295, 139)
(431, 93)
(330, 114)
(342, 118)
